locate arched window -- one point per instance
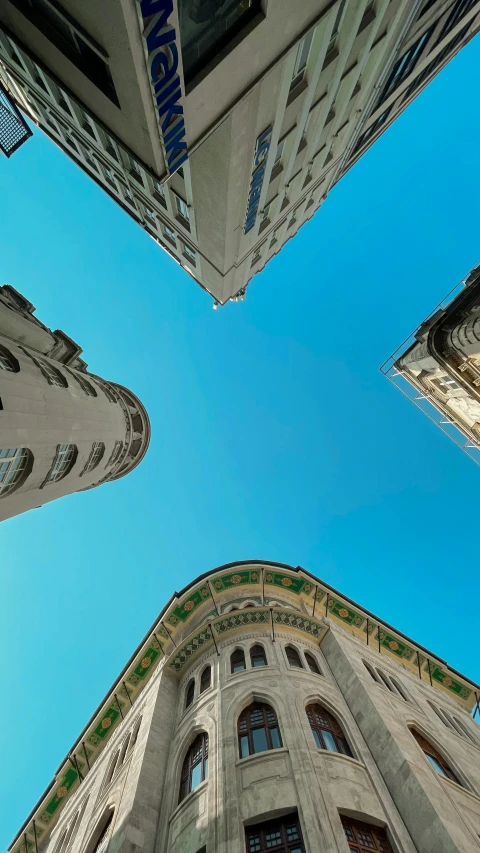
(434, 757)
(371, 671)
(96, 455)
(15, 466)
(365, 838)
(135, 735)
(385, 680)
(190, 693)
(8, 361)
(86, 386)
(101, 843)
(327, 732)
(312, 663)
(195, 766)
(205, 679)
(461, 727)
(293, 657)
(51, 373)
(258, 729)
(399, 688)
(64, 461)
(111, 769)
(117, 449)
(124, 750)
(258, 656)
(237, 661)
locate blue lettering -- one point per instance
(160, 38)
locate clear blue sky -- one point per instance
(273, 433)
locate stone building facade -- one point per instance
(220, 126)
(264, 711)
(62, 429)
(442, 364)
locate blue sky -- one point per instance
(274, 435)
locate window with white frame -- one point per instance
(189, 253)
(51, 373)
(446, 384)
(96, 454)
(182, 208)
(64, 461)
(169, 233)
(301, 59)
(159, 191)
(117, 449)
(14, 465)
(7, 361)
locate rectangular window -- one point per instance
(70, 39)
(182, 208)
(259, 737)
(301, 59)
(278, 836)
(111, 146)
(279, 152)
(159, 190)
(405, 65)
(189, 253)
(169, 233)
(207, 28)
(135, 170)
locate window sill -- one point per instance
(348, 758)
(188, 799)
(183, 222)
(296, 91)
(281, 750)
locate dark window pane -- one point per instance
(275, 735)
(317, 739)
(207, 26)
(259, 737)
(244, 750)
(329, 741)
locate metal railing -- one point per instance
(433, 408)
(14, 130)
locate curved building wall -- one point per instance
(138, 743)
(41, 417)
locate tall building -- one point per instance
(62, 429)
(220, 127)
(265, 712)
(439, 366)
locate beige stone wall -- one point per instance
(388, 781)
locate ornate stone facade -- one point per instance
(248, 724)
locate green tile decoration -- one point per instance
(190, 649)
(241, 619)
(104, 727)
(438, 674)
(64, 785)
(300, 622)
(346, 614)
(145, 663)
(296, 584)
(395, 645)
(183, 611)
(234, 579)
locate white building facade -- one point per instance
(264, 712)
(439, 366)
(62, 429)
(220, 127)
